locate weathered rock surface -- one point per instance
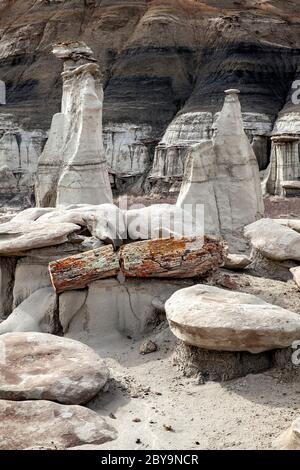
(7, 276)
(109, 307)
(29, 276)
(30, 272)
(216, 319)
(19, 153)
(16, 238)
(296, 275)
(220, 366)
(291, 223)
(47, 227)
(223, 176)
(166, 257)
(43, 425)
(289, 439)
(188, 129)
(236, 262)
(36, 366)
(163, 62)
(273, 240)
(107, 223)
(76, 272)
(72, 168)
(172, 258)
(36, 313)
(164, 221)
(198, 184)
(270, 268)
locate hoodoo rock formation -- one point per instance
(106, 282)
(223, 175)
(283, 174)
(72, 168)
(165, 65)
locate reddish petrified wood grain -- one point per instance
(176, 258)
(166, 257)
(76, 272)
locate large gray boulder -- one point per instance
(43, 425)
(221, 320)
(37, 366)
(273, 240)
(16, 237)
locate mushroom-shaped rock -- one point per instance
(221, 320)
(43, 425)
(38, 366)
(273, 240)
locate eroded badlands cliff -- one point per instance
(165, 65)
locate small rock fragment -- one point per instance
(168, 428)
(148, 347)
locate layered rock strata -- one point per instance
(19, 153)
(165, 65)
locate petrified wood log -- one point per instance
(76, 272)
(171, 257)
(168, 258)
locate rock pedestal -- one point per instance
(220, 320)
(72, 168)
(283, 178)
(219, 366)
(225, 334)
